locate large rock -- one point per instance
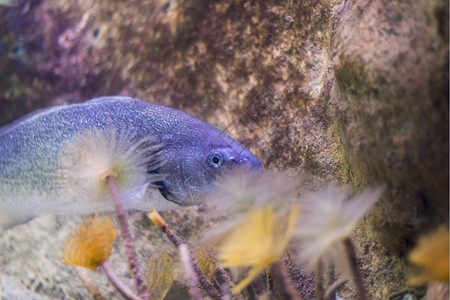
(389, 107)
(353, 91)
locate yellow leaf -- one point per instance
(205, 259)
(258, 242)
(90, 245)
(432, 254)
(160, 276)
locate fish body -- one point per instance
(54, 161)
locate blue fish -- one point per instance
(55, 160)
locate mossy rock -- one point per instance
(351, 91)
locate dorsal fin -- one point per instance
(108, 98)
(7, 128)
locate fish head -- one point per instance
(197, 159)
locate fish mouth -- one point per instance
(162, 187)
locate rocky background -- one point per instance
(354, 91)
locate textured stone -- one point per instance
(391, 115)
(354, 91)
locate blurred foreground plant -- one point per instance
(90, 247)
(88, 237)
(263, 212)
(260, 217)
(432, 255)
(327, 222)
(259, 243)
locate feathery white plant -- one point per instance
(92, 155)
(327, 219)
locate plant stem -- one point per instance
(90, 285)
(330, 293)
(226, 278)
(209, 287)
(217, 285)
(158, 220)
(229, 284)
(354, 269)
(120, 286)
(283, 281)
(188, 265)
(128, 238)
(318, 281)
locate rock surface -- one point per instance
(354, 91)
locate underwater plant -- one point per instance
(258, 243)
(274, 212)
(260, 216)
(194, 274)
(432, 255)
(90, 247)
(165, 268)
(256, 227)
(161, 274)
(127, 237)
(326, 224)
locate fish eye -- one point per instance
(216, 160)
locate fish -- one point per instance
(55, 160)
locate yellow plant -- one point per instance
(90, 245)
(161, 273)
(432, 255)
(164, 270)
(205, 259)
(258, 242)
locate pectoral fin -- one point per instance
(10, 218)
